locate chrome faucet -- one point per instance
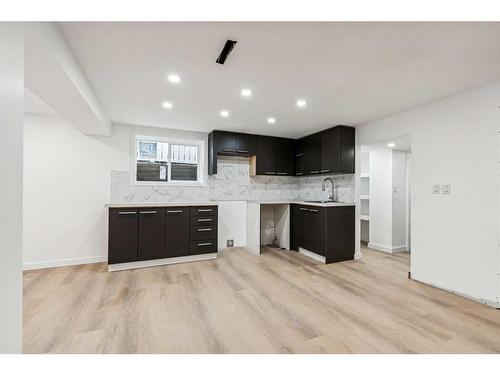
(332, 197)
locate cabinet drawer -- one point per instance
(203, 233)
(203, 221)
(203, 247)
(204, 211)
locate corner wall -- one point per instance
(11, 185)
(454, 237)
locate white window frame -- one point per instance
(202, 165)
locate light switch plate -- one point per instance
(435, 189)
(446, 189)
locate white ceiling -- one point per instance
(349, 73)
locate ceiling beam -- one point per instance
(54, 75)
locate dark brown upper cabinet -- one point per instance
(285, 157)
(330, 150)
(311, 148)
(229, 143)
(347, 147)
(266, 155)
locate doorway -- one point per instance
(385, 196)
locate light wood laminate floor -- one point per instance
(278, 302)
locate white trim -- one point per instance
(386, 249)
(64, 262)
(312, 255)
(358, 255)
(160, 262)
(399, 249)
(494, 304)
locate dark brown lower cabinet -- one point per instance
(151, 234)
(147, 233)
(177, 232)
(327, 231)
(122, 240)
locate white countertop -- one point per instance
(319, 204)
(216, 203)
(164, 204)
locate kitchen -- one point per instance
(185, 205)
(324, 153)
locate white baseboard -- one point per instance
(494, 304)
(64, 262)
(312, 255)
(358, 255)
(160, 262)
(386, 249)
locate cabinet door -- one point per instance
(177, 232)
(312, 154)
(245, 144)
(316, 230)
(151, 236)
(347, 147)
(299, 157)
(122, 245)
(340, 238)
(285, 157)
(330, 150)
(224, 142)
(266, 155)
(300, 227)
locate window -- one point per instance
(168, 161)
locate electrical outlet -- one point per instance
(446, 189)
(230, 243)
(271, 229)
(435, 189)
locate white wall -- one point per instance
(11, 185)
(66, 184)
(454, 237)
(398, 200)
(380, 199)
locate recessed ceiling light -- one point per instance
(301, 103)
(174, 78)
(271, 120)
(391, 144)
(167, 105)
(246, 93)
(224, 113)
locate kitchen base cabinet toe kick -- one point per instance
(152, 236)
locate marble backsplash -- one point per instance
(232, 182)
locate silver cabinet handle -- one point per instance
(244, 151)
(303, 209)
(127, 212)
(325, 170)
(311, 210)
(205, 244)
(175, 211)
(228, 150)
(299, 174)
(314, 172)
(148, 212)
(204, 229)
(204, 219)
(299, 155)
(282, 173)
(270, 172)
(205, 210)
